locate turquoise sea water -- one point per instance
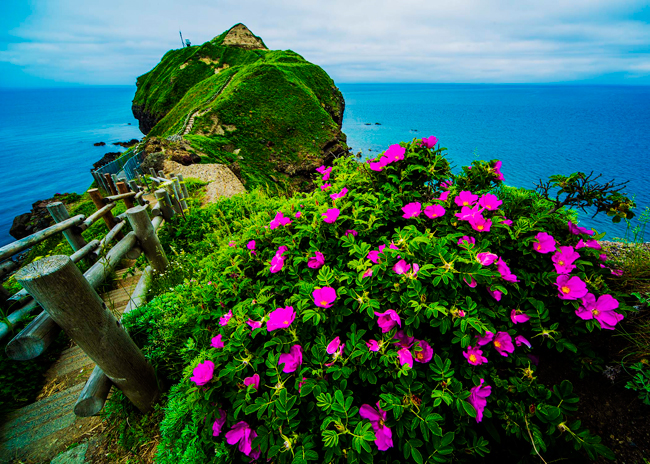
(47, 135)
(536, 130)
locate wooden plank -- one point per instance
(99, 204)
(90, 220)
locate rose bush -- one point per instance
(397, 313)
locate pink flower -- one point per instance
(443, 196)
(334, 345)
(387, 320)
(324, 297)
(465, 198)
(404, 341)
(425, 353)
(231, 243)
(321, 170)
(405, 357)
(254, 324)
(253, 380)
(429, 142)
(472, 281)
(486, 258)
(575, 230)
(589, 244)
(326, 174)
(218, 424)
(504, 270)
(325, 186)
(372, 345)
(378, 166)
(484, 339)
(478, 398)
(317, 261)
(216, 342)
(602, 257)
(545, 243)
(368, 273)
(394, 153)
(617, 272)
(291, 360)
(377, 417)
(341, 194)
(521, 340)
(223, 320)
(468, 214)
(467, 242)
(497, 170)
(564, 258)
(503, 343)
(416, 269)
(496, 294)
(373, 256)
(351, 231)
(298, 214)
(241, 433)
(412, 210)
(602, 310)
(203, 373)
(490, 202)
(434, 211)
(474, 356)
(279, 220)
(277, 262)
(570, 288)
(518, 318)
(401, 267)
(280, 318)
(251, 246)
(506, 221)
(331, 215)
(446, 184)
(480, 224)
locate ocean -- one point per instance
(536, 130)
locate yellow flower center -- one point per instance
(565, 289)
(595, 312)
(497, 344)
(434, 215)
(479, 227)
(286, 322)
(472, 357)
(323, 303)
(539, 246)
(419, 355)
(465, 203)
(561, 263)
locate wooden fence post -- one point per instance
(59, 213)
(60, 288)
(109, 183)
(179, 194)
(153, 172)
(134, 186)
(109, 219)
(143, 228)
(183, 186)
(165, 207)
(122, 188)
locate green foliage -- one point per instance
(312, 414)
(640, 381)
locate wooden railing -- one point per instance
(68, 297)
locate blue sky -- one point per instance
(71, 42)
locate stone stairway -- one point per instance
(38, 432)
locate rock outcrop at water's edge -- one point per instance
(271, 116)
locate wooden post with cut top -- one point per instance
(110, 184)
(61, 290)
(122, 188)
(109, 219)
(143, 228)
(59, 213)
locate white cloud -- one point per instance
(380, 41)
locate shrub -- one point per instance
(381, 318)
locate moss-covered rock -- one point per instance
(271, 115)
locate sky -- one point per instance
(111, 42)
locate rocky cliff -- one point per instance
(270, 115)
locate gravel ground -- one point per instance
(222, 182)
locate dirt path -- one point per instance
(222, 182)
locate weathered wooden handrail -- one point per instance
(60, 288)
(94, 394)
(20, 347)
(37, 237)
(156, 222)
(99, 202)
(59, 213)
(109, 237)
(97, 215)
(143, 228)
(120, 196)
